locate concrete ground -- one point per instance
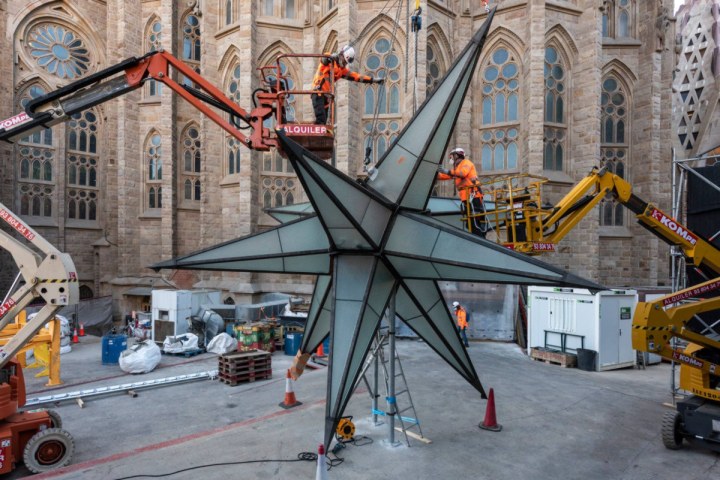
(557, 423)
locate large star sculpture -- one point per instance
(369, 241)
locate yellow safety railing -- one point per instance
(513, 211)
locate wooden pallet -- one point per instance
(234, 380)
(565, 360)
(242, 367)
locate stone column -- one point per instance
(123, 164)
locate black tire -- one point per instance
(672, 436)
(56, 421)
(48, 449)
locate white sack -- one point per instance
(142, 357)
(182, 343)
(222, 343)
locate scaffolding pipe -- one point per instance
(392, 406)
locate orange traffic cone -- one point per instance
(321, 471)
(82, 330)
(490, 422)
(320, 351)
(290, 400)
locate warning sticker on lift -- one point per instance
(18, 119)
(543, 247)
(306, 129)
(16, 224)
(674, 227)
(691, 293)
(5, 307)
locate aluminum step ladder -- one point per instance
(404, 407)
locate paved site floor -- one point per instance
(557, 423)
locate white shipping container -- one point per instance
(571, 318)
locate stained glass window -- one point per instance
(555, 126)
(232, 146)
(614, 138)
(153, 165)
(499, 122)
(382, 61)
(435, 67)
(191, 46)
(59, 50)
(82, 166)
(618, 18)
(192, 163)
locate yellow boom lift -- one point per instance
(518, 220)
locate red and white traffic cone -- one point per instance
(490, 422)
(290, 400)
(82, 330)
(321, 472)
(75, 336)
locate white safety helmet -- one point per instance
(456, 304)
(348, 53)
(458, 151)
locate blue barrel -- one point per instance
(326, 346)
(292, 343)
(112, 346)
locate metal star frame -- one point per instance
(368, 241)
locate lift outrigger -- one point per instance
(267, 116)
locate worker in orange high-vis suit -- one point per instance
(462, 323)
(335, 65)
(465, 176)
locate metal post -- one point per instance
(392, 406)
(376, 371)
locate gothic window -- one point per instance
(192, 163)
(279, 182)
(287, 82)
(435, 67)
(153, 43)
(43, 137)
(82, 166)
(58, 50)
(233, 156)
(555, 132)
(268, 7)
(153, 165)
(500, 116)
(329, 5)
(191, 47)
(618, 19)
(232, 146)
(285, 8)
(290, 9)
(614, 144)
(229, 12)
(36, 158)
(382, 118)
(695, 68)
(624, 18)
